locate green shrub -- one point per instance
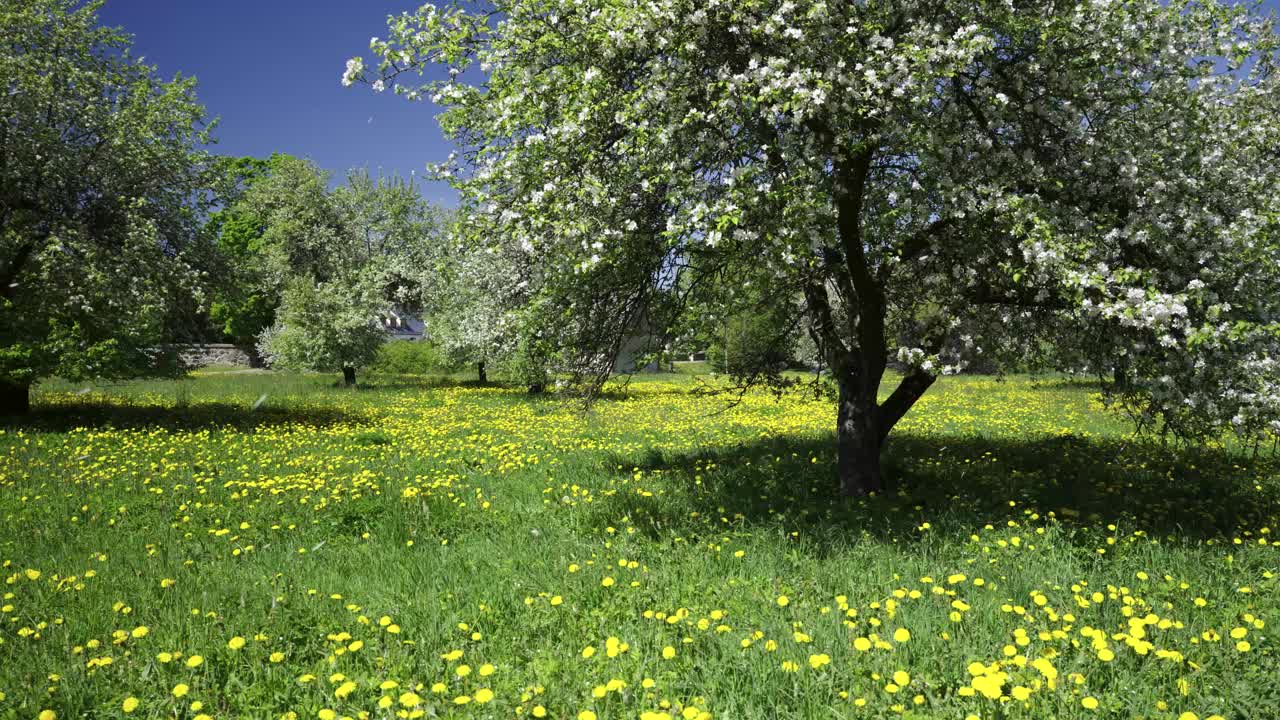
(420, 357)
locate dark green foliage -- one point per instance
(244, 302)
(753, 344)
(412, 358)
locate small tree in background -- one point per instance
(369, 242)
(102, 189)
(395, 234)
(480, 309)
(753, 344)
(326, 327)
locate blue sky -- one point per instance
(270, 69)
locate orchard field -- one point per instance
(416, 549)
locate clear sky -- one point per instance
(270, 69)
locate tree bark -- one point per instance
(349, 376)
(15, 397)
(858, 441)
(480, 370)
(863, 425)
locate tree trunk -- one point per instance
(15, 397)
(858, 441)
(349, 376)
(484, 376)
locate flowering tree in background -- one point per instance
(396, 233)
(326, 326)
(102, 184)
(339, 261)
(938, 181)
(482, 311)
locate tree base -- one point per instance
(864, 482)
(15, 398)
(348, 377)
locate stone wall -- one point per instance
(214, 354)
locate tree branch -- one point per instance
(918, 243)
(912, 387)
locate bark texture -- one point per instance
(15, 398)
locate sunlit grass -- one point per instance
(329, 553)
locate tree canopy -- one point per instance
(102, 182)
(338, 260)
(936, 181)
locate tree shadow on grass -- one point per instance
(395, 383)
(68, 416)
(957, 485)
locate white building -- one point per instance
(403, 326)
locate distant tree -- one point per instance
(932, 178)
(752, 344)
(242, 303)
(330, 326)
(368, 242)
(480, 311)
(101, 195)
(396, 233)
(304, 230)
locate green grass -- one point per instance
(1025, 530)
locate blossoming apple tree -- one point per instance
(936, 181)
(103, 184)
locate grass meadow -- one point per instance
(421, 548)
